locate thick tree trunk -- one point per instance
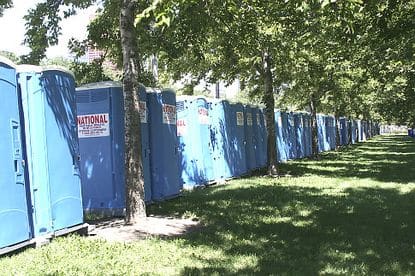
(314, 131)
(269, 114)
(134, 179)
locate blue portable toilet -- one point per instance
(237, 140)
(100, 108)
(15, 228)
(219, 138)
(260, 138)
(49, 108)
(195, 163)
(163, 144)
(250, 145)
(280, 136)
(299, 135)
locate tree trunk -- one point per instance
(314, 139)
(134, 179)
(269, 114)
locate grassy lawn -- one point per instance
(353, 212)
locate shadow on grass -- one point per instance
(292, 229)
(385, 158)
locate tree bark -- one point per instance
(269, 114)
(314, 139)
(134, 179)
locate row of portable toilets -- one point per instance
(39, 171)
(411, 132)
(63, 148)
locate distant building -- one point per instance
(93, 54)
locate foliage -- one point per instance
(12, 56)
(348, 213)
(5, 4)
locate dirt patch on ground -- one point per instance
(115, 230)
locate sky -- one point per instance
(12, 29)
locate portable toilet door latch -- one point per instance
(18, 164)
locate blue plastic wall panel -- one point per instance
(163, 145)
(204, 128)
(322, 134)
(299, 130)
(360, 131)
(286, 134)
(331, 131)
(364, 131)
(100, 112)
(195, 164)
(291, 137)
(14, 218)
(219, 140)
(237, 151)
(262, 153)
(102, 150)
(49, 107)
(145, 142)
(250, 145)
(307, 136)
(344, 133)
(354, 130)
(256, 136)
(259, 137)
(280, 137)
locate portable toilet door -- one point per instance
(191, 143)
(280, 137)
(163, 144)
(14, 217)
(249, 138)
(49, 108)
(219, 145)
(237, 145)
(299, 131)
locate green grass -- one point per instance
(350, 213)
